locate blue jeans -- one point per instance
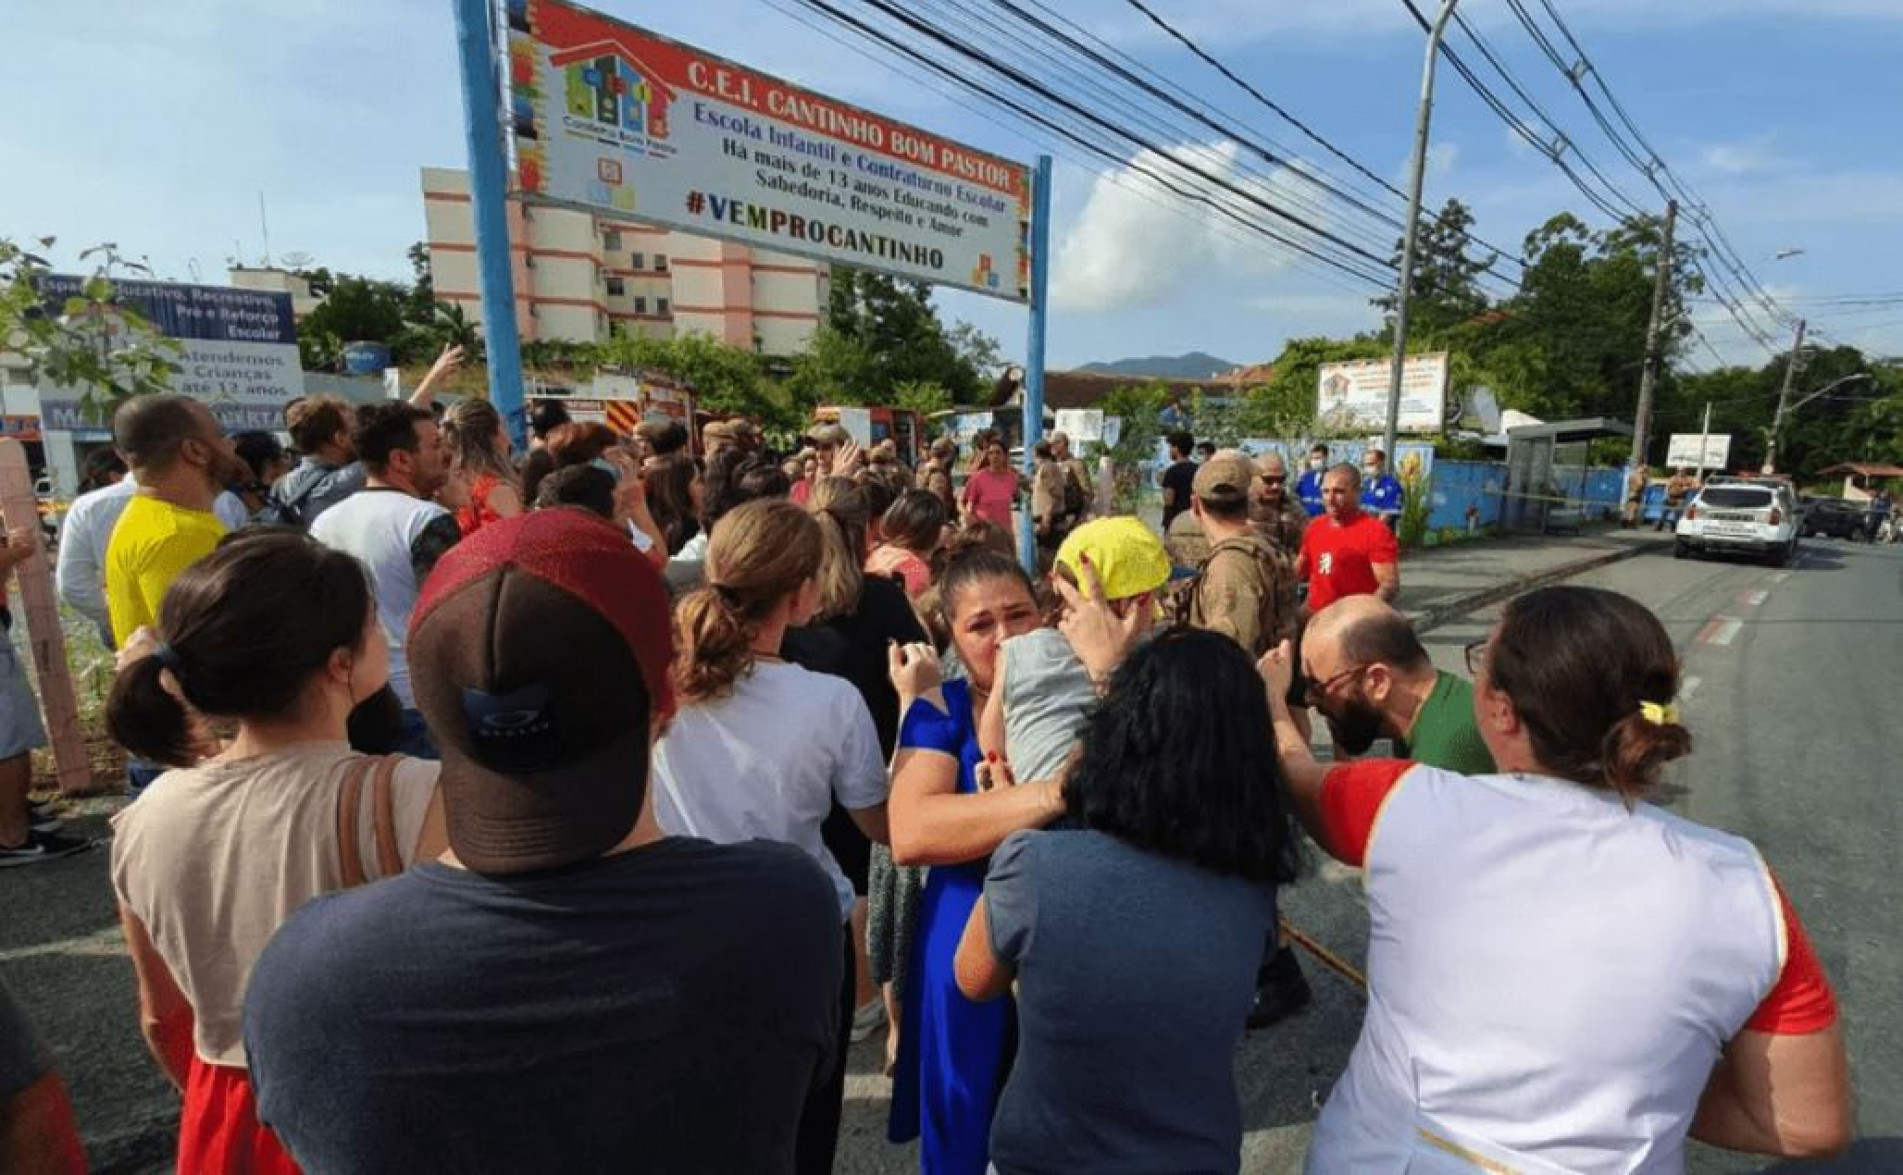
(414, 740)
(139, 776)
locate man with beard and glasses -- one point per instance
(1366, 671)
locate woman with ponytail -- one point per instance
(279, 635)
(860, 617)
(1563, 976)
(761, 748)
(479, 465)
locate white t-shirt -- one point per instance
(381, 528)
(766, 761)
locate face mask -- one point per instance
(1371, 470)
(1316, 464)
(1356, 727)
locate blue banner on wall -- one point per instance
(219, 314)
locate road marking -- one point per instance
(1688, 687)
(1780, 576)
(108, 940)
(1719, 630)
(1753, 598)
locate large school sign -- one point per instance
(615, 119)
(1355, 395)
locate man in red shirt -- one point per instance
(1346, 552)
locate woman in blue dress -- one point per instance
(953, 1053)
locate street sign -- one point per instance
(614, 119)
(238, 350)
(1684, 450)
(1355, 395)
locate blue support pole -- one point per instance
(488, 191)
(1034, 347)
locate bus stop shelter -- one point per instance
(1546, 473)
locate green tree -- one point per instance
(899, 338)
(921, 396)
(356, 309)
(108, 351)
(1444, 290)
(422, 305)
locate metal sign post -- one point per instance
(1034, 349)
(488, 194)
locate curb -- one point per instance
(1442, 613)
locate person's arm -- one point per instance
(991, 732)
(77, 573)
(1301, 772)
(1778, 1095)
(934, 825)
(981, 975)
(1782, 1086)
(438, 535)
(1385, 557)
(165, 1015)
(859, 777)
(447, 362)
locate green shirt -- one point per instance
(1444, 734)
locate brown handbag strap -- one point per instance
(348, 856)
(383, 815)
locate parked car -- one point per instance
(1758, 518)
(1832, 516)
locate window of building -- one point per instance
(611, 240)
(616, 287)
(661, 306)
(635, 261)
(640, 304)
(660, 262)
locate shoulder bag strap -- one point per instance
(348, 856)
(383, 813)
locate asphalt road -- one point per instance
(1791, 692)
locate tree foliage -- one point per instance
(92, 343)
(880, 332)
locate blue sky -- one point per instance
(1780, 113)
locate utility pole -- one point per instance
(1783, 402)
(1704, 441)
(1412, 229)
(1654, 347)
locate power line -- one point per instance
(1312, 135)
(1368, 269)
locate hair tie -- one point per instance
(166, 656)
(1659, 713)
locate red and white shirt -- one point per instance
(1551, 975)
(1338, 559)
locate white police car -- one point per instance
(1741, 517)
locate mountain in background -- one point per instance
(1195, 365)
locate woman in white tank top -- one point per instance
(1563, 977)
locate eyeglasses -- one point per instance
(1316, 690)
(1476, 657)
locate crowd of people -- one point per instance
(578, 812)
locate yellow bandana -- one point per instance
(1659, 714)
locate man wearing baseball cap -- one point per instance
(1243, 589)
(567, 989)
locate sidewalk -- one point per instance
(1440, 583)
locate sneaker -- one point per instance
(41, 847)
(1281, 991)
(40, 818)
(868, 1020)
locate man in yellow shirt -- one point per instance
(181, 459)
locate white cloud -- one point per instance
(1135, 243)
(1757, 153)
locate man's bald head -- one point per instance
(1366, 630)
(1272, 464)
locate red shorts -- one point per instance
(219, 1129)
